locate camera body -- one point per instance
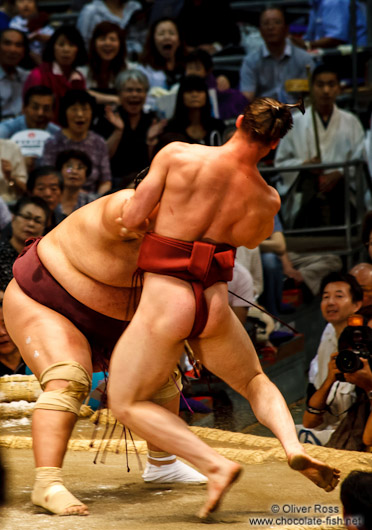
(354, 344)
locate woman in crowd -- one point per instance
(193, 116)
(63, 53)
(119, 12)
(75, 116)
(75, 166)
(133, 131)
(107, 58)
(162, 59)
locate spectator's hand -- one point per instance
(326, 182)
(6, 168)
(291, 272)
(155, 129)
(333, 371)
(223, 83)
(362, 377)
(114, 118)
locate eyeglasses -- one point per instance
(27, 217)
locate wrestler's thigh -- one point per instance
(42, 335)
(225, 347)
(152, 344)
(167, 307)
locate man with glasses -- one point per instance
(30, 215)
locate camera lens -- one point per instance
(348, 361)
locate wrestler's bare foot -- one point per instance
(50, 493)
(321, 474)
(219, 481)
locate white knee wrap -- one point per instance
(69, 398)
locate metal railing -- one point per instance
(356, 184)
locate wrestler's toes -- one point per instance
(218, 484)
(79, 509)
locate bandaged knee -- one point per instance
(69, 398)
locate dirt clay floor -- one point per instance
(267, 489)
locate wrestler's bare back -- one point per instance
(89, 258)
(213, 194)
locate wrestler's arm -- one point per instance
(111, 208)
(136, 211)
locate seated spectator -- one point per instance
(34, 24)
(162, 59)
(13, 48)
(250, 258)
(208, 25)
(37, 113)
(230, 101)
(11, 361)
(13, 173)
(363, 274)
(193, 114)
(263, 72)
(29, 220)
(118, 12)
(75, 116)
(329, 25)
(46, 182)
(131, 131)
(356, 498)
(241, 285)
(74, 166)
(320, 194)
(63, 53)
(107, 57)
(271, 249)
(331, 418)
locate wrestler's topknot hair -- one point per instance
(267, 120)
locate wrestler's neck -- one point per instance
(245, 150)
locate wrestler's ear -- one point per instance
(239, 120)
(274, 144)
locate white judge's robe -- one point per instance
(342, 140)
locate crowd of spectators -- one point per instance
(84, 109)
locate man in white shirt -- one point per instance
(341, 137)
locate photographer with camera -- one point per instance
(337, 411)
